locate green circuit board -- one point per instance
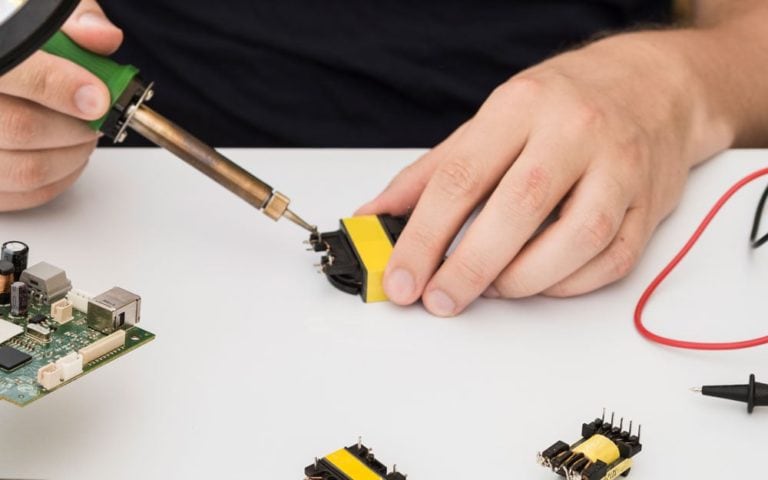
(20, 385)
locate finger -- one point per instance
(89, 27)
(588, 222)
(25, 125)
(27, 171)
(399, 197)
(22, 201)
(458, 183)
(526, 195)
(466, 173)
(614, 263)
(58, 84)
(404, 190)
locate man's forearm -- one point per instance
(728, 53)
(713, 73)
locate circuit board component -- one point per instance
(604, 452)
(11, 359)
(114, 309)
(51, 335)
(357, 254)
(351, 463)
(48, 281)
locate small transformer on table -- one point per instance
(357, 254)
(604, 452)
(352, 463)
(51, 334)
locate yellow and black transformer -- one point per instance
(357, 254)
(352, 463)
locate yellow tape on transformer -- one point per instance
(598, 447)
(351, 466)
(618, 469)
(372, 244)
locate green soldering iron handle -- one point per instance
(115, 76)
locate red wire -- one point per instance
(671, 266)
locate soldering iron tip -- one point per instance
(300, 222)
(696, 389)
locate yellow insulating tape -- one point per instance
(598, 447)
(351, 466)
(372, 244)
(618, 469)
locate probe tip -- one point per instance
(696, 389)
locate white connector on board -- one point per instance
(61, 311)
(64, 369)
(79, 299)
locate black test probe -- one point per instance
(754, 394)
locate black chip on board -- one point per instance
(10, 358)
(37, 318)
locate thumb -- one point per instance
(90, 28)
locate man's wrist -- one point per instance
(677, 77)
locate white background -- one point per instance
(260, 365)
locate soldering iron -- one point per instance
(29, 25)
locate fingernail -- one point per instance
(91, 19)
(491, 292)
(440, 303)
(88, 100)
(399, 285)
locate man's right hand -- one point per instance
(44, 104)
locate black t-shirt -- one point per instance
(389, 73)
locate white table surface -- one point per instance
(260, 365)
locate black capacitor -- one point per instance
(18, 254)
(6, 279)
(19, 299)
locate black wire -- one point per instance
(758, 242)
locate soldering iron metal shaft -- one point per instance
(228, 174)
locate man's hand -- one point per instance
(603, 136)
(44, 141)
